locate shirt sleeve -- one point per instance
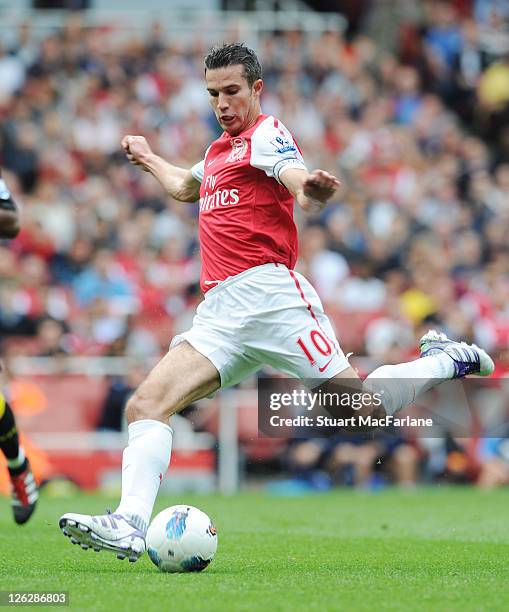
(274, 150)
(198, 170)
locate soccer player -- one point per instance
(23, 488)
(257, 310)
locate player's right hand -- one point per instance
(137, 150)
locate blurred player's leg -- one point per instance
(23, 488)
(183, 376)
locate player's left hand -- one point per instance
(321, 185)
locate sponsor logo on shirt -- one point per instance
(239, 149)
(282, 144)
(219, 197)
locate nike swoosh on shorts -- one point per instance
(323, 368)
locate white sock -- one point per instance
(15, 463)
(403, 383)
(144, 463)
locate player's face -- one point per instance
(235, 103)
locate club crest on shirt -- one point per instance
(282, 144)
(239, 149)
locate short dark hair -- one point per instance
(231, 54)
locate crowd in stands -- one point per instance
(107, 264)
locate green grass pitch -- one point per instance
(430, 549)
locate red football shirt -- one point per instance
(246, 214)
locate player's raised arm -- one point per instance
(311, 190)
(9, 216)
(179, 183)
(274, 150)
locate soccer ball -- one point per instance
(181, 539)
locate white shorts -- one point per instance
(267, 315)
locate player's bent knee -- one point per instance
(140, 407)
(134, 410)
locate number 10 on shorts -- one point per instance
(316, 341)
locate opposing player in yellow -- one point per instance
(23, 487)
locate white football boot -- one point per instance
(467, 358)
(113, 532)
